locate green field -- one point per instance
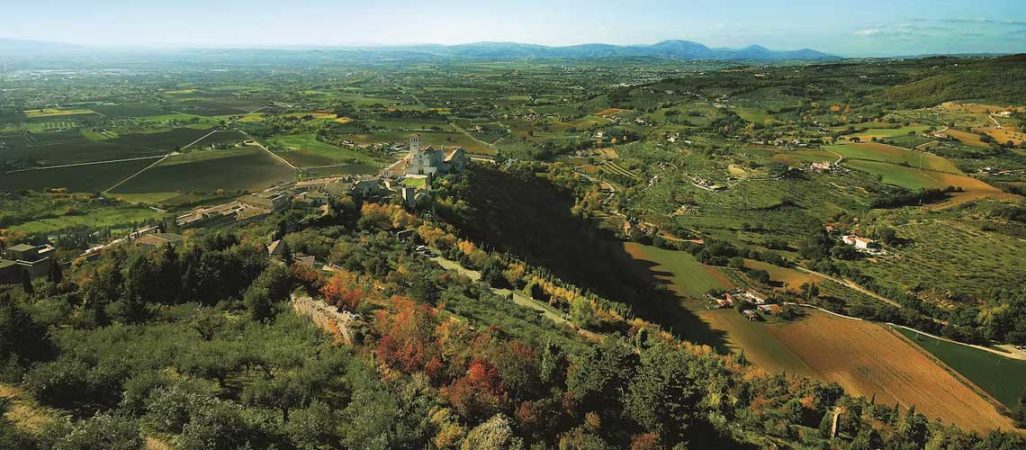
(57, 112)
(33, 213)
(756, 115)
(895, 155)
(896, 175)
(683, 272)
(248, 169)
(1003, 378)
(93, 218)
(304, 150)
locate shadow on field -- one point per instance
(670, 311)
(527, 216)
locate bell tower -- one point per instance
(414, 143)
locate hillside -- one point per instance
(1002, 81)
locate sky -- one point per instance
(843, 27)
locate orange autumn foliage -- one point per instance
(343, 291)
(407, 334)
(479, 393)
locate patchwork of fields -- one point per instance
(1002, 378)
(863, 357)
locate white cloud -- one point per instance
(869, 32)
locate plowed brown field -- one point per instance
(865, 358)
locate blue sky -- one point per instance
(845, 27)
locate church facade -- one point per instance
(431, 161)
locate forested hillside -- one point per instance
(1002, 80)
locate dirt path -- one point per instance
(852, 285)
(472, 137)
(91, 163)
(119, 183)
(274, 155)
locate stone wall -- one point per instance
(326, 317)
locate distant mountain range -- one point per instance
(674, 49)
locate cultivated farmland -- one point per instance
(248, 169)
(685, 275)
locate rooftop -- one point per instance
(21, 247)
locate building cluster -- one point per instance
(737, 296)
(149, 236)
(821, 167)
(409, 179)
(426, 162)
(634, 229)
(245, 208)
(25, 260)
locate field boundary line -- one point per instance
(269, 152)
(166, 156)
(976, 346)
(137, 173)
(90, 163)
(1002, 409)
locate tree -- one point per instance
(220, 425)
(26, 282)
(21, 336)
(479, 392)
(600, 373)
(809, 291)
(100, 432)
(56, 275)
(494, 434)
(662, 396)
(258, 301)
(342, 291)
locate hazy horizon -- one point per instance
(842, 28)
